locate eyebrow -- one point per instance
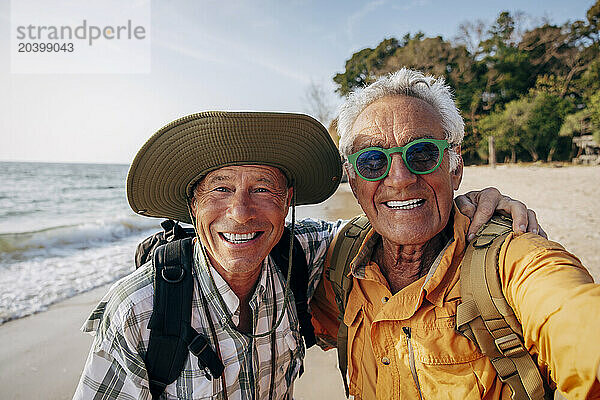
(218, 178)
(227, 178)
(266, 180)
(379, 141)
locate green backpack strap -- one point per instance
(486, 318)
(345, 247)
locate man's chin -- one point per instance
(406, 234)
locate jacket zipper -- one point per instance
(411, 358)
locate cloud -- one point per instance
(411, 5)
(353, 19)
(220, 50)
(187, 51)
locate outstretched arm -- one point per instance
(480, 205)
(558, 304)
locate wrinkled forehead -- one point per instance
(395, 121)
(255, 172)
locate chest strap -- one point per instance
(171, 333)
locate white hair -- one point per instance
(405, 82)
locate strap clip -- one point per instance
(172, 274)
(510, 345)
(207, 358)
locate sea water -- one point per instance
(64, 229)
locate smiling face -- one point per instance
(404, 208)
(240, 215)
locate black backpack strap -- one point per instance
(298, 282)
(171, 334)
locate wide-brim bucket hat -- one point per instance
(165, 169)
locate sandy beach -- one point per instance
(41, 356)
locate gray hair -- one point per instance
(405, 82)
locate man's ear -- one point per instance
(456, 175)
(351, 177)
(290, 195)
(192, 202)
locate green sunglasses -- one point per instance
(421, 156)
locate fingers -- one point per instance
(518, 212)
(465, 205)
(479, 206)
(542, 232)
(532, 225)
(489, 200)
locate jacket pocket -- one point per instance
(445, 360)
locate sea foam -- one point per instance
(56, 240)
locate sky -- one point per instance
(215, 55)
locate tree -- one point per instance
(541, 134)
(594, 108)
(577, 124)
(433, 56)
(565, 51)
(532, 123)
(360, 68)
(470, 35)
(317, 103)
(550, 69)
(593, 17)
(507, 126)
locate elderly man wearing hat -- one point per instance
(233, 176)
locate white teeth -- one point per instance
(405, 205)
(239, 237)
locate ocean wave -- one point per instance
(24, 245)
(31, 285)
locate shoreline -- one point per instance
(44, 353)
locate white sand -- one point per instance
(41, 356)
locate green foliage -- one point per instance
(504, 27)
(593, 17)
(541, 135)
(361, 67)
(594, 110)
(531, 123)
(590, 80)
(576, 124)
(517, 86)
(508, 126)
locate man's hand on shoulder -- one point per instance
(480, 205)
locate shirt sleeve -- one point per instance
(114, 368)
(558, 304)
(315, 237)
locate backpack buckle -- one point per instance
(172, 273)
(207, 358)
(510, 345)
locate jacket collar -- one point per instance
(442, 272)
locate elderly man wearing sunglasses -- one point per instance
(401, 137)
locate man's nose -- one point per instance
(242, 209)
(399, 175)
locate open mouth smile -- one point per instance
(239, 238)
(405, 204)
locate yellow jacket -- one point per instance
(405, 346)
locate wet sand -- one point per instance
(41, 356)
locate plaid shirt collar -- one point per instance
(205, 270)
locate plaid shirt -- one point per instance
(115, 366)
